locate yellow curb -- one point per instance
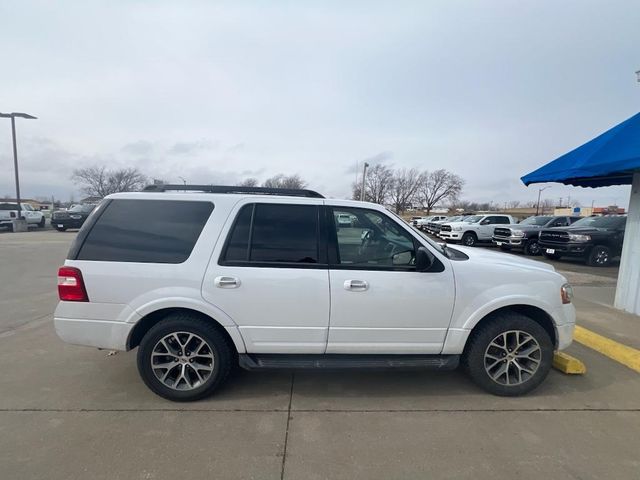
(623, 354)
(568, 364)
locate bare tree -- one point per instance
(100, 182)
(249, 182)
(403, 188)
(513, 204)
(284, 181)
(378, 183)
(438, 186)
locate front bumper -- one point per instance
(566, 249)
(511, 241)
(452, 236)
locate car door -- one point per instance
(271, 277)
(379, 302)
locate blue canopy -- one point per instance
(609, 159)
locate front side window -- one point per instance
(372, 240)
(273, 233)
(147, 231)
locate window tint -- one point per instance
(284, 233)
(372, 240)
(498, 220)
(156, 231)
(238, 243)
(274, 233)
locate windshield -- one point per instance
(536, 221)
(81, 208)
(473, 218)
(457, 218)
(601, 222)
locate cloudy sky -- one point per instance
(218, 91)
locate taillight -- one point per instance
(71, 285)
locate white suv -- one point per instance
(473, 229)
(264, 278)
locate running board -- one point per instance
(337, 361)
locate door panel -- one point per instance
(399, 312)
(271, 277)
(379, 302)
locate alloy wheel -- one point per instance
(182, 361)
(512, 358)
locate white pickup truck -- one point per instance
(9, 212)
(474, 229)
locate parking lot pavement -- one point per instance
(74, 412)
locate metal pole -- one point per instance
(364, 176)
(15, 165)
(538, 204)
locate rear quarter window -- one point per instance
(147, 231)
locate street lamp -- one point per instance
(364, 176)
(13, 116)
(184, 182)
(638, 75)
(539, 192)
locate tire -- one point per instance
(505, 248)
(184, 383)
(61, 229)
(469, 239)
(485, 371)
(532, 248)
(41, 223)
(552, 256)
(600, 256)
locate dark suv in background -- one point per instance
(72, 218)
(524, 235)
(597, 240)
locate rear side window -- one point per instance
(147, 231)
(274, 233)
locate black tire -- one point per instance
(61, 229)
(552, 256)
(505, 248)
(469, 239)
(41, 223)
(532, 248)
(222, 351)
(473, 360)
(599, 256)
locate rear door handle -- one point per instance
(356, 285)
(226, 282)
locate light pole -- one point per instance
(13, 116)
(364, 176)
(184, 182)
(539, 192)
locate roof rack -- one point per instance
(289, 192)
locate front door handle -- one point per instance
(226, 282)
(356, 285)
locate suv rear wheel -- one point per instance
(509, 356)
(184, 358)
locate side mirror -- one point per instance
(424, 259)
(486, 221)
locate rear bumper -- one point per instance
(93, 333)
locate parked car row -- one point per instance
(596, 240)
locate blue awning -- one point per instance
(609, 159)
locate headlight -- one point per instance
(566, 293)
(456, 228)
(517, 233)
(579, 238)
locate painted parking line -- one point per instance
(623, 354)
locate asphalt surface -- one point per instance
(69, 412)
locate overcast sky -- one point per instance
(215, 91)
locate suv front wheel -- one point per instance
(184, 358)
(509, 356)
